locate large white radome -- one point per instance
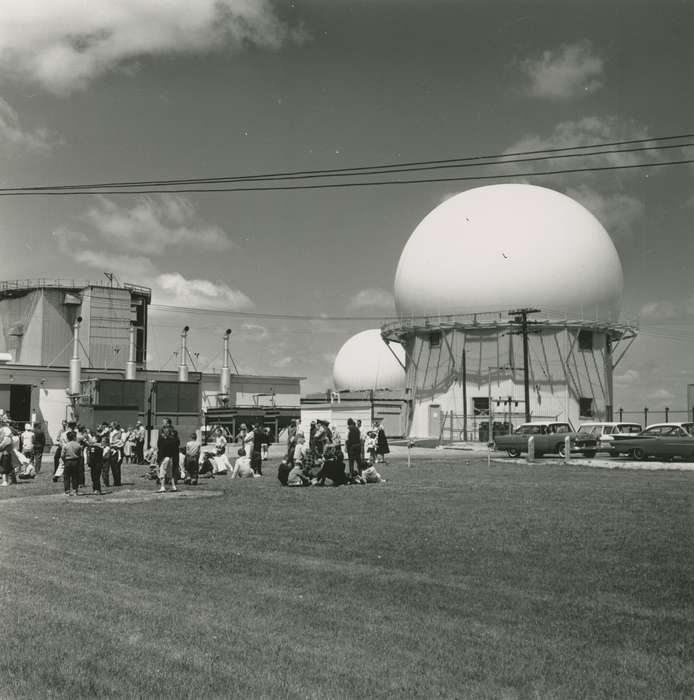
(507, 246)
(365, 362)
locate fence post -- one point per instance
(531, 449)
(621, 414)
(667, 414)
(645, 417)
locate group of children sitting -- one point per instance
(322, 459)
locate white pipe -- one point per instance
(131, 367)
(75, 364)
(225, 376)
(183, 367)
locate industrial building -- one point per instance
(71, 349)
(508, 304)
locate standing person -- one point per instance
(140, 434)
(168, 445)
(265, 447)
(6, 449)
(382, 448)
(257, 450)
(291, 441)
(241, 437)
(39, 446)
(362, 437)
(248, 441)
(27, 442)
(71, 457)
(60, 441)
(116, 439)
(95, 460)
(353, 446)
(191, 463)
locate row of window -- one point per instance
(480, 406)
(586, 339)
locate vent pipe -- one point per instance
(131, 367)
(225, 377)
(183, 367)
(75, 364)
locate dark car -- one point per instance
(663, 441)
(547, 437)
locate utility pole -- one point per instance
(521, 317)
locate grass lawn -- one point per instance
(451, 580)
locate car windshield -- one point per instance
(628, 428)
(689, 427)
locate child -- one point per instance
(242, 466)
(370, 445)
(95, 457)
(192, 459)
(71, 457)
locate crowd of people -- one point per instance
(313, 461)
(314, 454)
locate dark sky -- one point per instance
(174, 91)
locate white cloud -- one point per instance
(627, 379)
(616, 211)
(572, 70)
(586, 132)
(371, 298)
(658, 311)
(175, 290)
(254, 332)
(14, 137)
(126, 267)
(151, 225)
(282, 362)
(64, 44)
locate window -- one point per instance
(585, 406)
(435, 339)
(585, 340)
(480, 405)
(561, 428)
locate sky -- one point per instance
(146, 90)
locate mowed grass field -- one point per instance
(453, 579)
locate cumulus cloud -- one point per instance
(124, 266)
(586, 132)
(658, 310)
(14, 137)
(572, 70)
(255, 332)
(63, 45)
(282, 362)
(627, 379)
(174, 289)
(371, 298)
(151, 225)
(618, 212)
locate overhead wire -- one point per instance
(192, 185)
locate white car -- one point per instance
(603, 432)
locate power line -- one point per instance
(335, 185)
(469, 161)
(413, 166)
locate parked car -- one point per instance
(548, 437)
(661, 440)
(604, 431)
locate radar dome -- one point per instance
(366, 362)
(503, 247)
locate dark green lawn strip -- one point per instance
(448, 581)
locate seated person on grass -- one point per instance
(242, 466)
(333, 467)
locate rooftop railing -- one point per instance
(53, 283)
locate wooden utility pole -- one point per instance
(521, 318)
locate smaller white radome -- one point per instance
(365, 362)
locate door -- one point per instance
(434, 420)
(20, 402)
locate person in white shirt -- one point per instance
(242, 466)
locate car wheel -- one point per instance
(561, 449)
(589, 453)
(513, 453)
(639, 453)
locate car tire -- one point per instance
(589, 453)
(639, 454)
(561, 449)
(513, 452)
